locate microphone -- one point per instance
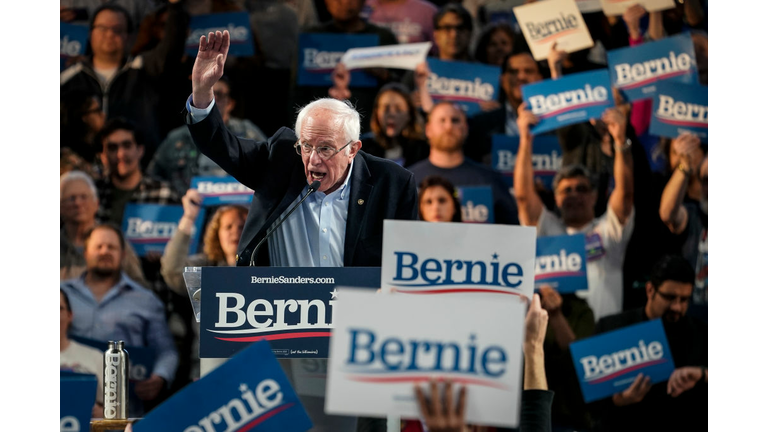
(312, 189)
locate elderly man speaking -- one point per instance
(338, 225)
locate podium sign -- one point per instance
(291, 307)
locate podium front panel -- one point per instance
(291, 307)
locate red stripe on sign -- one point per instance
(423, 378)
(627, 370)
(457, 98)
(556, 36)
(457, 290)
(266, 416)
(573, 108)
(657, 78)
(684, 123)
(277, 337)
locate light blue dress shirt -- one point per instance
(127, 312)
(313, 236)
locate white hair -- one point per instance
(70, 176)
(342, 111)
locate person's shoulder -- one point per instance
(326, 27)
(384, 167)
(424, 5)
(481, 168)
(619, 320)
(423, 167)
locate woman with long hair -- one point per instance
(438, 200)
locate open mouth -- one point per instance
(317, 175)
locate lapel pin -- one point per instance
(360, 201)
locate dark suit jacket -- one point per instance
(380, 189)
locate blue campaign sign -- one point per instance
(238, 24)
(476, 204)
(291, 307)
(636, 70)
(73, 41)
(467, 84)
(571, 99)
(149, 227)
(547, 157)
(77, 397)
(319, 53)
(221, 190)
(679, 108)
(561, 262)
(248, 392)
(608, 363)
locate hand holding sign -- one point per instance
(191, 202)
(684, 379)
(535, 324)
(341, 78)
(439, 416)
(632, 18)
(616, 122)
(551, 300)
(209, 67)
(555, 59)
(525, 119)
(635, 393)
(688, 147)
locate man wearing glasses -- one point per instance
(339, 225)
(681, 402)
(453, 31)
(607, 236)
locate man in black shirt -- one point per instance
(681, 402)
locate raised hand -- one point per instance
(632, 17)
(209, 67)
(616, 122)
(341, 78)
(439, 415)
(525, 119)
(555, 60)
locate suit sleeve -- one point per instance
(407, 207)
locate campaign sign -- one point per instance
(547, 157)
(292, 308)
(319, 53)
(679, 108)
(73, 41)
(142, 359)
(610, 362)
(466, 84)
(618, 7)
(77, 397)
(586, 6)
(453, 258)
(553, 21)
(401, 56)
(635, 71)
(218, 191)
(149, 227)
(383, 344)
(248, 392)
(238, 24)
(561, 262)
(571, 99)
(476, 204)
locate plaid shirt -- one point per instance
(149, 191)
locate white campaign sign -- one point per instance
(617, 7)
(546, 22)
(586, 6)
(441, 258)
(404, 56)
(383, 344)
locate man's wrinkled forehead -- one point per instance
(321, 127)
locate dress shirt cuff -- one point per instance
(197, 115)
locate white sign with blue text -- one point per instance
(149, 227)
(237, 23)
(680, 108)
(402, 56)
(561, 263)
(635, 71)
(319, 53)
(466, 84)
(457, 258)
(221, 190)
(476, 204)
(235, 397)
(383, 344)
(553, 21)
(609, 363)
(571, 99)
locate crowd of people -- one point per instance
(137, 119)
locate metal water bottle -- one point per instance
(116, 381)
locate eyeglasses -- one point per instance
(73, 199)
(671, 298)
(325, 152)
(580, 189)
(118, 30)
(448, 28)
(112, 146)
